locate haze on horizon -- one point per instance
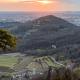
(40, 5)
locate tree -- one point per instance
(7, 40)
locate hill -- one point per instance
(46, 33)
(48, 30)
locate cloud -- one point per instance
(34, 5)
(31, 1)
(68, 1)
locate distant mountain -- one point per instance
(5, 24)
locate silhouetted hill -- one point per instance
(44, 32)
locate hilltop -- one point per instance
(47, 30)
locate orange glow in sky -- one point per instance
(45, 1)
(39, 5)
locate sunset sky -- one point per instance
(39, 5)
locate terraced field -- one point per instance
(18, 62)
(41, 64)
(36, 62)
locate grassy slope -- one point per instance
(44, 62)
(23, 63)
(8, 61)
(13, 62)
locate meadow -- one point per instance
(8, 61)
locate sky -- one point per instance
(40, 5)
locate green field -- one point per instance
(18, 62)
(24, 63)
(8, 61)
(15, 61)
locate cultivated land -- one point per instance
(8, 61)
(19, 62)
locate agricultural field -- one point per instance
(8, 61)
(43, 63)
(23, 63)
(19, 62)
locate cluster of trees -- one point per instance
(7, 40)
